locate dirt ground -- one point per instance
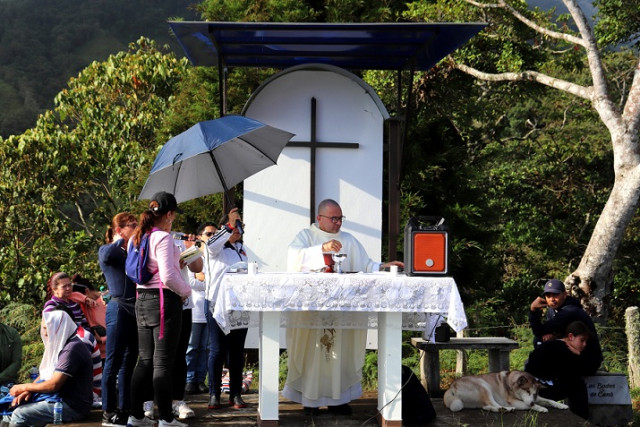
(364, 414)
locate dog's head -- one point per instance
(524, 386)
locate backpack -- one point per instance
(136, 267)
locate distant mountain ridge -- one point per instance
(45, 42)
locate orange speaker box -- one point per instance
(426, 246)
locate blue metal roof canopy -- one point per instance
(352, 46)
(356, 46)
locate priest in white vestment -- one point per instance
(325, 365)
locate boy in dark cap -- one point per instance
(563, 309)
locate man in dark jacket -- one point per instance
(563, 309)
(10, 354)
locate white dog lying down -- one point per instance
(498, 391)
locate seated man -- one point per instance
(65, 369)
(10, 354)
(562, 310)
(325, 365)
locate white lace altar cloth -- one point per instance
(343, 301)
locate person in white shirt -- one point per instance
(224, 249)
(321, 374)
(197, 354)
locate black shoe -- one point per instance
(308, 410)
(191, 388)
(343, 409)
(214, 402)
(237, 402)
(113, 419)
(203, 388)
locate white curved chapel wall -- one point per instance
(276, 200)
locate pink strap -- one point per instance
(161, 312)
(161, 335)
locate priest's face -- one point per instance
(330, 219)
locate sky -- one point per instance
(586, 5)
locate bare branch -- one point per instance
(631, 112)
(601, 95)
(529, 23)
(581, 91)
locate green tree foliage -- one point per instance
(537, 168)
(618, 22)
(82, 163)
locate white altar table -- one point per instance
(388, 302)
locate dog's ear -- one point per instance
(522, 380)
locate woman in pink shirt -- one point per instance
(158, 313)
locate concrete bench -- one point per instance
(498, 349)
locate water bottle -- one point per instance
(106, 296)
(57, 412)
(33, 373)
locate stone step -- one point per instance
(364, 414)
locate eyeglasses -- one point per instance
(334, 219)
(208, 233)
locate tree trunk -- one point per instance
(591, 281)
(632, 320)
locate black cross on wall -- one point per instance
(314, 145)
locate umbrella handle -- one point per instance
(239, 226)
(238, 223)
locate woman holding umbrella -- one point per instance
(158, 313)
(224, 248)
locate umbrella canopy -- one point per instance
(214, 155)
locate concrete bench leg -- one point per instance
(499, 360)
(430, 372)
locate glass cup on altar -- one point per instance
(338, 259)
(328, 262)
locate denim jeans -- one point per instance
(180, 363)
(155, 359)
(39, 414)
(197, 353)
(122, 353)
(223, 349)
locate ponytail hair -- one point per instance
(120, 220)
(147, 221)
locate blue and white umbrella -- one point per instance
(214, 155)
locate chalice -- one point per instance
(338, 259)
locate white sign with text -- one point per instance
(612, 389)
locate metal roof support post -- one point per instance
(407, 116)
(397, 134)
(395, 158)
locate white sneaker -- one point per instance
(97, 402)
(182, 410)
(148, 409)
(172, 423)
(144, 422)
